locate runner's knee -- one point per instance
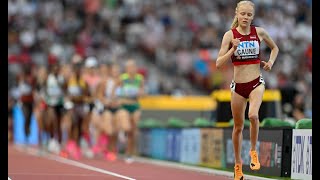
(253, 117)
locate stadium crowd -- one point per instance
(179, 37)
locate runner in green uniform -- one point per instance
(132, 87)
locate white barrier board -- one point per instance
(301, 159)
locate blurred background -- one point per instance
(175, 42)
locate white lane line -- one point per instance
(34, 152)
(204, 170)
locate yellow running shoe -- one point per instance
(255, 164)
(238, 175)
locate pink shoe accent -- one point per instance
(96, 149)
(86, 136)
(70, 145)
(101, 144)
(77, 154)
(73, 150)
(64, 154)
(103, 140)
(110, 156)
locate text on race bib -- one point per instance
(247, 49)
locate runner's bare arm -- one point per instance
(270, 43)
(100, 92)
(225, 53)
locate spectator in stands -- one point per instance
(241, 44)
(298, 107)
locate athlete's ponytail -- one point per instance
(235, 20)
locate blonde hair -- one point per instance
(235, 19)
(130, 62)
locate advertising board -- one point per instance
(273, 148)
(301, 160)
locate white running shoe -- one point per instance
(129, 160)
(54, 146)
(85, 149)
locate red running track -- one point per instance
(28, 165)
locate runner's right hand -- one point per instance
(235, 42)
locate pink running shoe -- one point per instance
(110, 156)
(63, 154)
(101, 144)
(103, 140)
(73, 150)
(96, 149)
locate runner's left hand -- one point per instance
(266, 65)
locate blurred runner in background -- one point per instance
(132, 87)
